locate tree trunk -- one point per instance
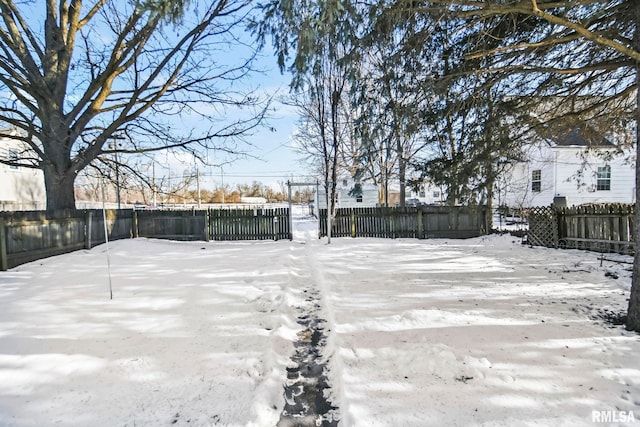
(633, 312)
(402, 173)
(59, 187)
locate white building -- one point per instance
(21, 188)
(348, 195)
(428, 194)
(564, 171)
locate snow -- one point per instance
(484, 331)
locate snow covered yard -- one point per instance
(476, 332)
(473, 332)
(197, 334)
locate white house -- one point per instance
(565, 172)
(20, 188)
(347, 196)
(428, 193)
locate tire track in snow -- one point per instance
(307, 387)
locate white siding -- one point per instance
(568, 172)
(429, 194)
(580, 189)
(515, 189)
(369, 196)
(20, 188)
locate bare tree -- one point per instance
(322, 127)
(393, 89)
(320, 71)
(76, 74)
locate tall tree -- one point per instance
(321, 35)
(77, 74)
(578, 59)
(460, 111)
(393, 89)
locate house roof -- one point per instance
(581, 138)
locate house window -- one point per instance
(436, 194)
(359, 198)
(422, 194)
(604, 178)
(536, 180)
(345, 182)
(13, 157)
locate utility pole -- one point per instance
(195, 162)
(153, 184)
(222, 180)
(198, 187)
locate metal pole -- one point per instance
(222, 179)
(329, 211)
(198, 187)
(153, 185)
(117, 179)
(290, 213)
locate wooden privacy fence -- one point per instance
(413, 222)
(173, 225)
(250, 224)
(601, 228)
(29, 236)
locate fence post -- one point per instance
(87, 229)
(275, 226)
(560, 215)
(392, 228)
(353, 223)
(4, 262)
(486, 215)
(420, 224)
(134, 225)
(207, 232)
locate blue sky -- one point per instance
(272, 157)
(275, 157)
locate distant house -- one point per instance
(350, 194)
(21, 188)
(569, 169)
(253, 200)
(428, 193)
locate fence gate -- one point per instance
(299, 184)
(543, 227)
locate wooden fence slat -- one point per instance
(28, 236)
(408, 222)
(4, 261)
(33, 235)
(250, 224)
(602, 228)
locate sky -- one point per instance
(272, 157)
